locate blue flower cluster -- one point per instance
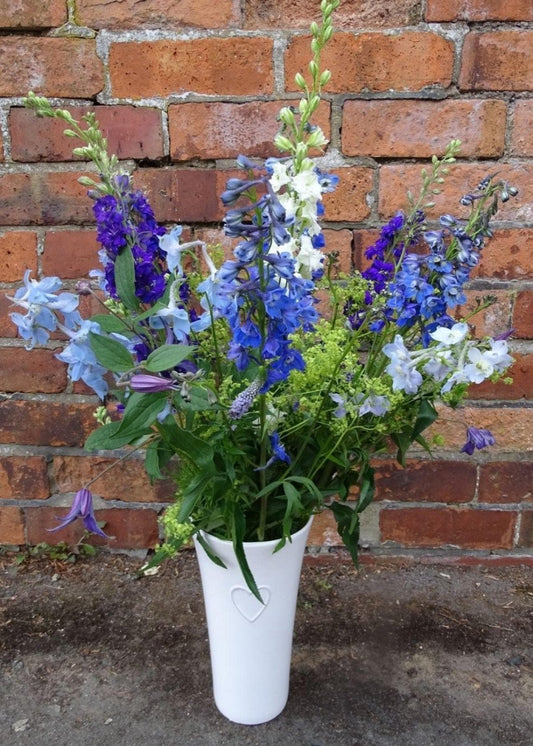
(126, 219)
(259, 292)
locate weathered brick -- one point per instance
(479, 10)
(521, 388)
(127, 527)
(525, 539)
(506, 482)
(37, 371)
(231, 66)
(324, 531)
(50, 66)
(127, 481)
(45, 423)
(354, 14)
(492, 321)
(523, 315)
(11, 525)
(428, 481)
(32, 14)
(339, 241)
(24, 478)
(44, 198)
(131, 132)
(18, 252)
(522, 129)
(158, 13)
(459, 527)
(70, 254)
(396, 179)
(7, 327)
(497, 61)
(406, 61)
(183, 195)
(508, 255)
(349, 201)
(510, 425)
(419, 129)
(224, 130)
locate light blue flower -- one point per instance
(170, 244)
(81, 360)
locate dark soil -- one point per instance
(398, 655)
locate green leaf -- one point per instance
(103, 438)
(348, 527)
(157, 456)
(109, 323)
(186, 442)
(167, 357)
(207, 549)
(366, 491)
(238, 530)
(125, 278)
(140, 414)
(111, 353)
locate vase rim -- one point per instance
(270, 542)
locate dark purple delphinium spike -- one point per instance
(128, 220)
(82, 507)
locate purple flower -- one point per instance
(147, 384)
(476, 438)
(82, 507)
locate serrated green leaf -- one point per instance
(111, 353)
(167, 357)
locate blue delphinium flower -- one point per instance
(81, 360)
(82, 507)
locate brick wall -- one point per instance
(180, 88)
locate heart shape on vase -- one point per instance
(247, 604)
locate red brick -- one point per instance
(354, 14)
(324, 531)
(521, 388)
(506, 482)
(45, 423)
(431, 481)
(522, 128)
(24, 478)
(11, 525)
(158, 13)
(507, 256)
(129, 528)
(18, 252)
(525, 538)
(407, 61)
(32, 14)
(131, 132)
(497, 61)
(460, 527)
(70, 254)
(225, 130)
(494, 320)
(7, 327)
(396, 179)
(510, 425)
(349, 201)
(523, 315)
(50, 66)
(479, 10)
(44, 198)
(419, 129)
(221, 67)
(37, 371)
(340, 241)
(127, 481)
(183, 195)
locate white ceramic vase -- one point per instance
(251, 643)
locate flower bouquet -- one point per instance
(266, 383)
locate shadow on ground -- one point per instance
(390, 656)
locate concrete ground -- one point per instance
(393, 655)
